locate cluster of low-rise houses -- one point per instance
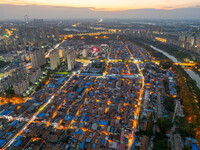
(92, 112)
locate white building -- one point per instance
(198, 41)
(38, 58)
(190, 40)
(85, 53)
(34, 74)
(19, 73)
(71, 60)
(5, 84)
(54, 59)
(20, 87)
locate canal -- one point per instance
(191, 73)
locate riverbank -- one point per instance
(165, 61)
(180, 54)
(189, 94)
(191, 73)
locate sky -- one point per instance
(96, 9)
(109, 5)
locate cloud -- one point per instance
(108, 5)
(61, 12)
(16, 2)
(168, 8)
(105, 9)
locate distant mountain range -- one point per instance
(55, 12)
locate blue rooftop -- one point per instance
(93, 146)
(67, 117)
(79, 89)
(71, 94)
(86, 119)
(73, 140)
(80, 131)
(101, 122)
(18, 143)
(82, 145)
(18, 137)
(88, 140)
(14, 123)
(5, 112)
(2, 142)
(103, 142)
(133, 146)
(41, 115)
(194, 147)
(88, 83)
(60, 81)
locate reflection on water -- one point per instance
(74, 30)
(194, 76)
(191, 73)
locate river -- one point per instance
(191, 73)
(74, 30)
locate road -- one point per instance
(131, 137)
(35, 115)
(43, 106)
(47, 55)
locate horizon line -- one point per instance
(103, 9)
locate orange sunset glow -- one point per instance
(111, 5)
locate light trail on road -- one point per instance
(131, 137)
(36, 113)
(34, 116)
(47, 55)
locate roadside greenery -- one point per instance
(63, 73)
(43, 82)
(3, 64)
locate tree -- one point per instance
(164, 124)
(169, 104)
(75, 87)
(10, 91)
(160, 145)
(149, 126)
(3, 63)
